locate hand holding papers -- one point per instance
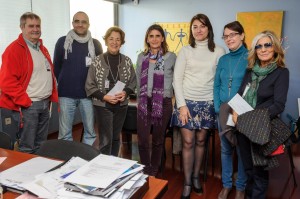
(118, 88)
(239, 105)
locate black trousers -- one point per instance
(258, 177)
(110, 122)
(152, 159)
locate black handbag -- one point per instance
(255, 125)
(280, 133)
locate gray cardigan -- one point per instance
(169, 63)
(98, 73)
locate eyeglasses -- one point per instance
(83, 22)
(266, 45)
(231, 35)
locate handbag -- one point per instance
(280, 133)
(227, 131)
(255, 125)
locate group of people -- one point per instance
(202, 77)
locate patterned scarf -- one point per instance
(258, 74)
(158, 88)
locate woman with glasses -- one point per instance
(193, 85)
(108, 70)
(229, 75)
(265, 86)
(154, 71)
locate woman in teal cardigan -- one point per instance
(229, 75)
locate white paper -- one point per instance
(118, 88)
(25, 172)
(239, 105)
(2, 159)
(100, 172)
(47, 184)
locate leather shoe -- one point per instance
(239, 194)
(197, 186)
(186, 192)
(224, 193)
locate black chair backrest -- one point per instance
(131, 119)
(64, 150)
(5, 141)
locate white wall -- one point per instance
(54, 20)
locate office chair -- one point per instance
(294, 127)
(6, 141)
(64, 150)
(210, 134)
(130, 124)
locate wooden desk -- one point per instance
(157, 187)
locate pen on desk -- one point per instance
(58, 166)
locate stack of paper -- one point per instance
(103, 177)
(17, 176)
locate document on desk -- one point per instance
(239, 105)
(25, 172)
(46, 185)
(100, 172)
(118, 88)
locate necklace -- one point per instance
(115, 79)
(230, 79)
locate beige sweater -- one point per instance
(194, 73)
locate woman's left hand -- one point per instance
(234, 116)
(121, 96)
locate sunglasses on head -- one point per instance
(266, 45)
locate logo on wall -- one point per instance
(176, 34)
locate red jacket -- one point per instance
(15, 74)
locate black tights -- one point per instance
(193, 142)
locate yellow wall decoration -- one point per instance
(256, 22)
(177, 35)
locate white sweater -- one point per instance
(194, 73)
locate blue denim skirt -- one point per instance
(202, 113)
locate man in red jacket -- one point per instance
(28, 84)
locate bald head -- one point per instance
(81, 23)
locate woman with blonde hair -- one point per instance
(265, 86)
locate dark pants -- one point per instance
(35, 128)
(152, 161)
(258, 178)
(110, 122)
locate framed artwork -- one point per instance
(176, 34)
(256, 22)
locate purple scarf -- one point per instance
(158, 88)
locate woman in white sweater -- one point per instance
(193, 85)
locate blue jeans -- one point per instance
(66, 116)
(35, 126)
(227, 170)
